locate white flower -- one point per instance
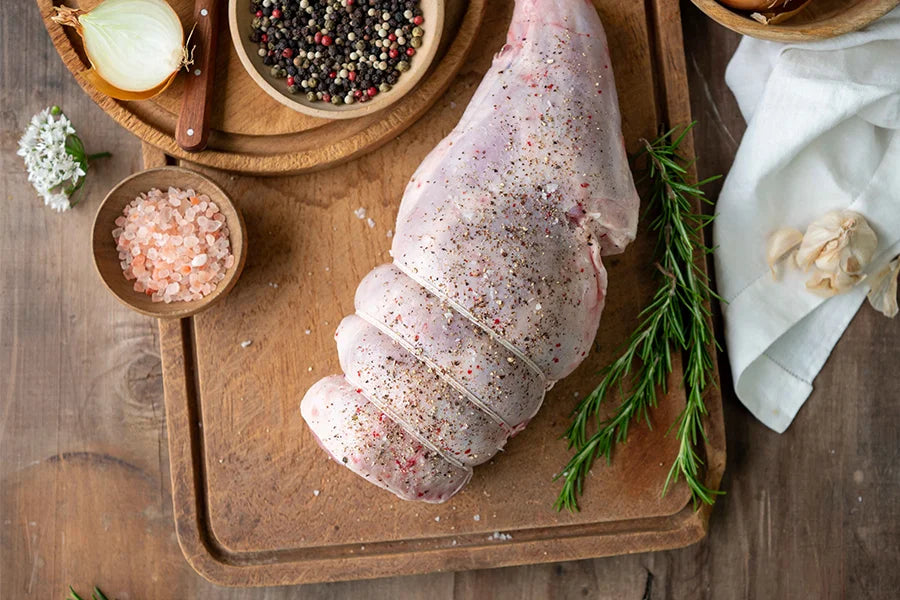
(50, 168)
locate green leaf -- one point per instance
(75, 148)
(677, 316)
(73, 595)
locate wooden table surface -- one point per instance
(84, 479)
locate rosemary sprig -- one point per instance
(96, 594)
(677, 319)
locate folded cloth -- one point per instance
(823, 133)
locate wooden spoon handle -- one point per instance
(192, 130)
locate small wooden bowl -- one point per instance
(106, 258)
(239, 22)
(820, 20)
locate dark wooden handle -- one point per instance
(192, 131)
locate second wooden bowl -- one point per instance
(239, 22)
(821, 19)
(106, 257)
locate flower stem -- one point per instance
(99, 155)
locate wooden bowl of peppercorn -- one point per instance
(336, 59)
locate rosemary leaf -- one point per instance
(675, 320)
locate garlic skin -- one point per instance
(838, 246)
(883, 293)
(781, 243)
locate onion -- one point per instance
(768, 12)
(136, 47)
(753, 4)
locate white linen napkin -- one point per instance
(823, 133)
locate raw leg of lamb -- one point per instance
(497, 283)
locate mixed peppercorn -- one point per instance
(337, 51)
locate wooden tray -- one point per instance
(250, 131)
(258, 503)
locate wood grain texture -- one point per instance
(253, 133)
(85, 492)
(106, 256)
(192, 128)
(821, 19)
(256, 500)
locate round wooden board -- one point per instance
(822, 19)
(251, 132)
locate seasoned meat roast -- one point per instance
(497, 283)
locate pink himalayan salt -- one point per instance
(174, 245)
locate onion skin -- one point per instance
(756, 5)
(104, 87)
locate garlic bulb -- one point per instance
(136, 47)
(780, 244)
(838, 246)
(883, 293)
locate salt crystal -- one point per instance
(390, 233)
(307, 331)
(476, 518)
(360, 213)
(315, 492)
(438, 519)
(246, 343)
(158, 249)
(370, 222)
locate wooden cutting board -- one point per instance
(258, 503)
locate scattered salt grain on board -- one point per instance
(499, 536)
(476, 518)
(174, 245)
(315, 492)
(360, 213)
(390, 233)
(370, 222)
(246, 343)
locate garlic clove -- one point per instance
(883, 293)
(781, 243)
(861, 249)
(831, 284)
(820, 283)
